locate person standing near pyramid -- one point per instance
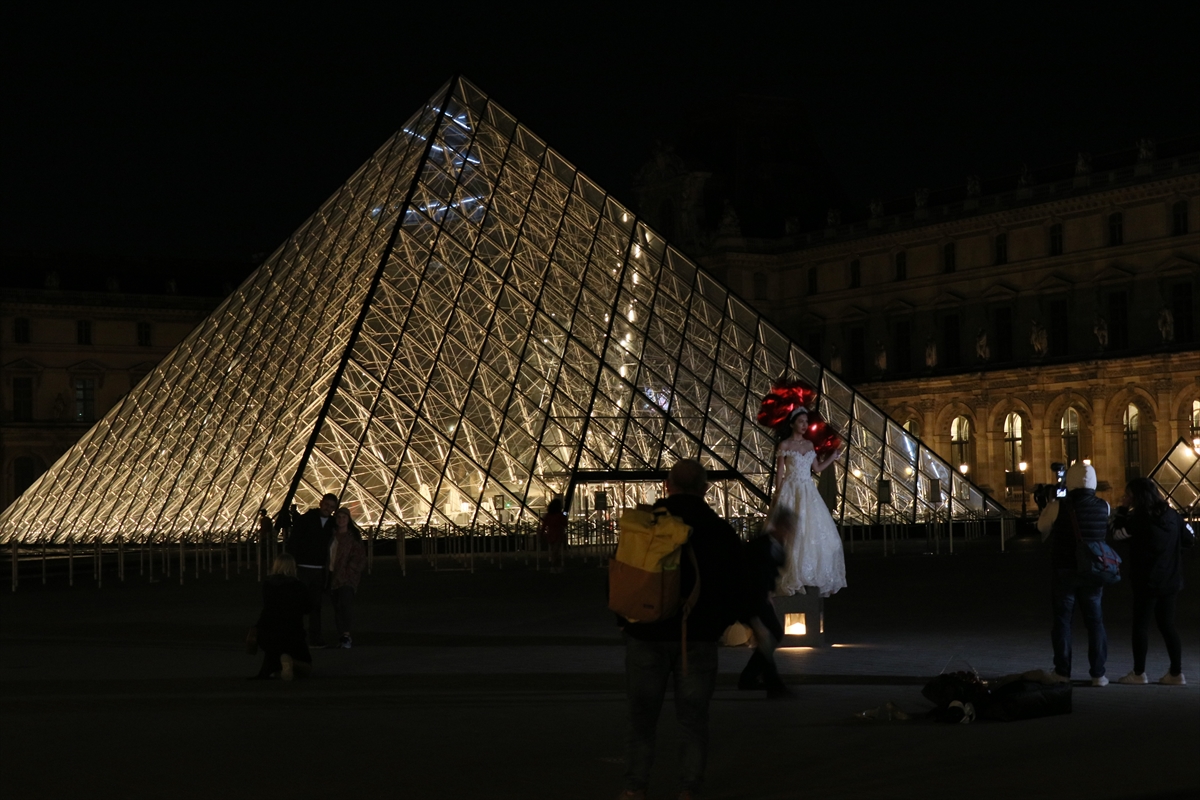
(309, 545)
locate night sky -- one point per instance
(156, 132)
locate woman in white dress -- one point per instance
(815, 556)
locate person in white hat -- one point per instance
(1083, 513)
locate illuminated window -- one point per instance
(913, 426)
(1070, 435)
(1133, 459)
(1014, 442)
(960, 441)
(1195, 419)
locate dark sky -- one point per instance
(159, 131)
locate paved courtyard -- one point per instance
(506, 683)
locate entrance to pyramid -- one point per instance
(603, 495)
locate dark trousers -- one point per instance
(313, 580)
(648, 668)
(1066, 594)
(343, 608)
(760, 671)
(1162, 609)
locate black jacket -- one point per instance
(309, 542)
(1155, 557)
(1092, 515)
(718, 555)
(281, 623)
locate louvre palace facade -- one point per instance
(1053, 316)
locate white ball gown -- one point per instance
(815, 557)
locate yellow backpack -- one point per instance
(643, 577)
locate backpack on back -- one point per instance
(643, 577)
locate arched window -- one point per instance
(1195, 421)
(1070, 435)
(1133, 459)
(960, 442)
(913, 426)
(1014, 442)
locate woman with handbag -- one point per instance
(280, 626)
(347, 557)
(1156, 535)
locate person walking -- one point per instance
(765, 556)
(653, 650)
(1155, 533)
(309, 545)
(348, 556)
(554, 532)
(1079, 515)
(280, 626)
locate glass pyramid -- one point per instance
(1178, 476)
(464, 326)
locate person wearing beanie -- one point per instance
(1080, 511)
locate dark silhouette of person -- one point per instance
(309, 545)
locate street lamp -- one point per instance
(1023, 466)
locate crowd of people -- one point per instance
(324, 554)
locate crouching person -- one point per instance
(281, 623)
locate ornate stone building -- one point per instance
(1053, 317)
(66, 357)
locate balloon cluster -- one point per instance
(784, 398)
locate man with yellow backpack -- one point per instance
(675, 585)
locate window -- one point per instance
(21, 330)
(1070, 435)
(143, 329)
(1133, 460)
(903, 347)
(901, 265)
(1060, 319)
(1118, 321)
(1002, 322)
(25, 472)
(913, 426)
(1056, 240)
(1195, 420)
(858, 354)
(22, 399)
(1181, 311)
(855, 274)
(949, 261)
(1002, 248)
(1014, 442)
(1116, 229)
(83, 332)
(960, 441)
(812, 280)
(1179, 218)
(951, 345)
(85, 400)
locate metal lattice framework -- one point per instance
(1178, 476)
(465, 324)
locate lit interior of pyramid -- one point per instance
(461, 329)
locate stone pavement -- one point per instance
(506, 683)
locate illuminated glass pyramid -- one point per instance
(464, 326)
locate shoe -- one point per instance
(345, 642)
(288, 671)
(1134, 679)
(1173, 680)
(1101, 681)
(1054, 677)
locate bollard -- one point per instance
(43, 562)
(225, 555)
(370, 550)
(14, 562)
(198, 554)
(70, 561)
(182, 566)
(258, 551)
(99, 561)
(120, 558)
